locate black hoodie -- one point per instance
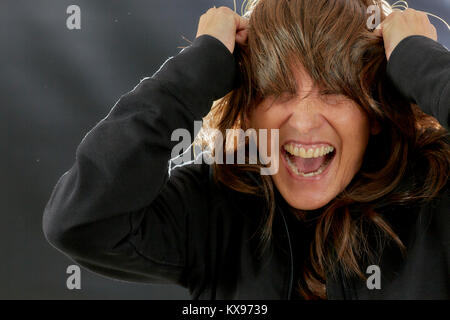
(118, 213)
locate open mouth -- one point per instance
(307, 161)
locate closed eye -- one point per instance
(284, 97)
(333, 98)
(279, 99)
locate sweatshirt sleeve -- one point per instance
(420, 69)
(117, 211)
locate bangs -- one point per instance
(328, 39)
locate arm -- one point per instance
(420, 69)
(116, 211)
(417, 64)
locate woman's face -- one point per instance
(322, 142)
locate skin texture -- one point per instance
(310, 117)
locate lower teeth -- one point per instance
(311, 174)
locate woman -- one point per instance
(363, 215)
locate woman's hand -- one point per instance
(401, 24)
(225, 25)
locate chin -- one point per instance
(305, 200)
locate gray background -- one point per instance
(55, 85)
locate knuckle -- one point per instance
(422, 14)
(224, 9)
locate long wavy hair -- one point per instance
(331, 40)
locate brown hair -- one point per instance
(330, 39)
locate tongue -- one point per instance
(308, 165)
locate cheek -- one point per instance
(353, 129)
(265, 118)
(268, 119)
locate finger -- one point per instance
(434, 31)
(211, 9)
(241, 22)
(241, 37)
(393, 14)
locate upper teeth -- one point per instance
(308, 153)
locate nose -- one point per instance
(306, 115)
